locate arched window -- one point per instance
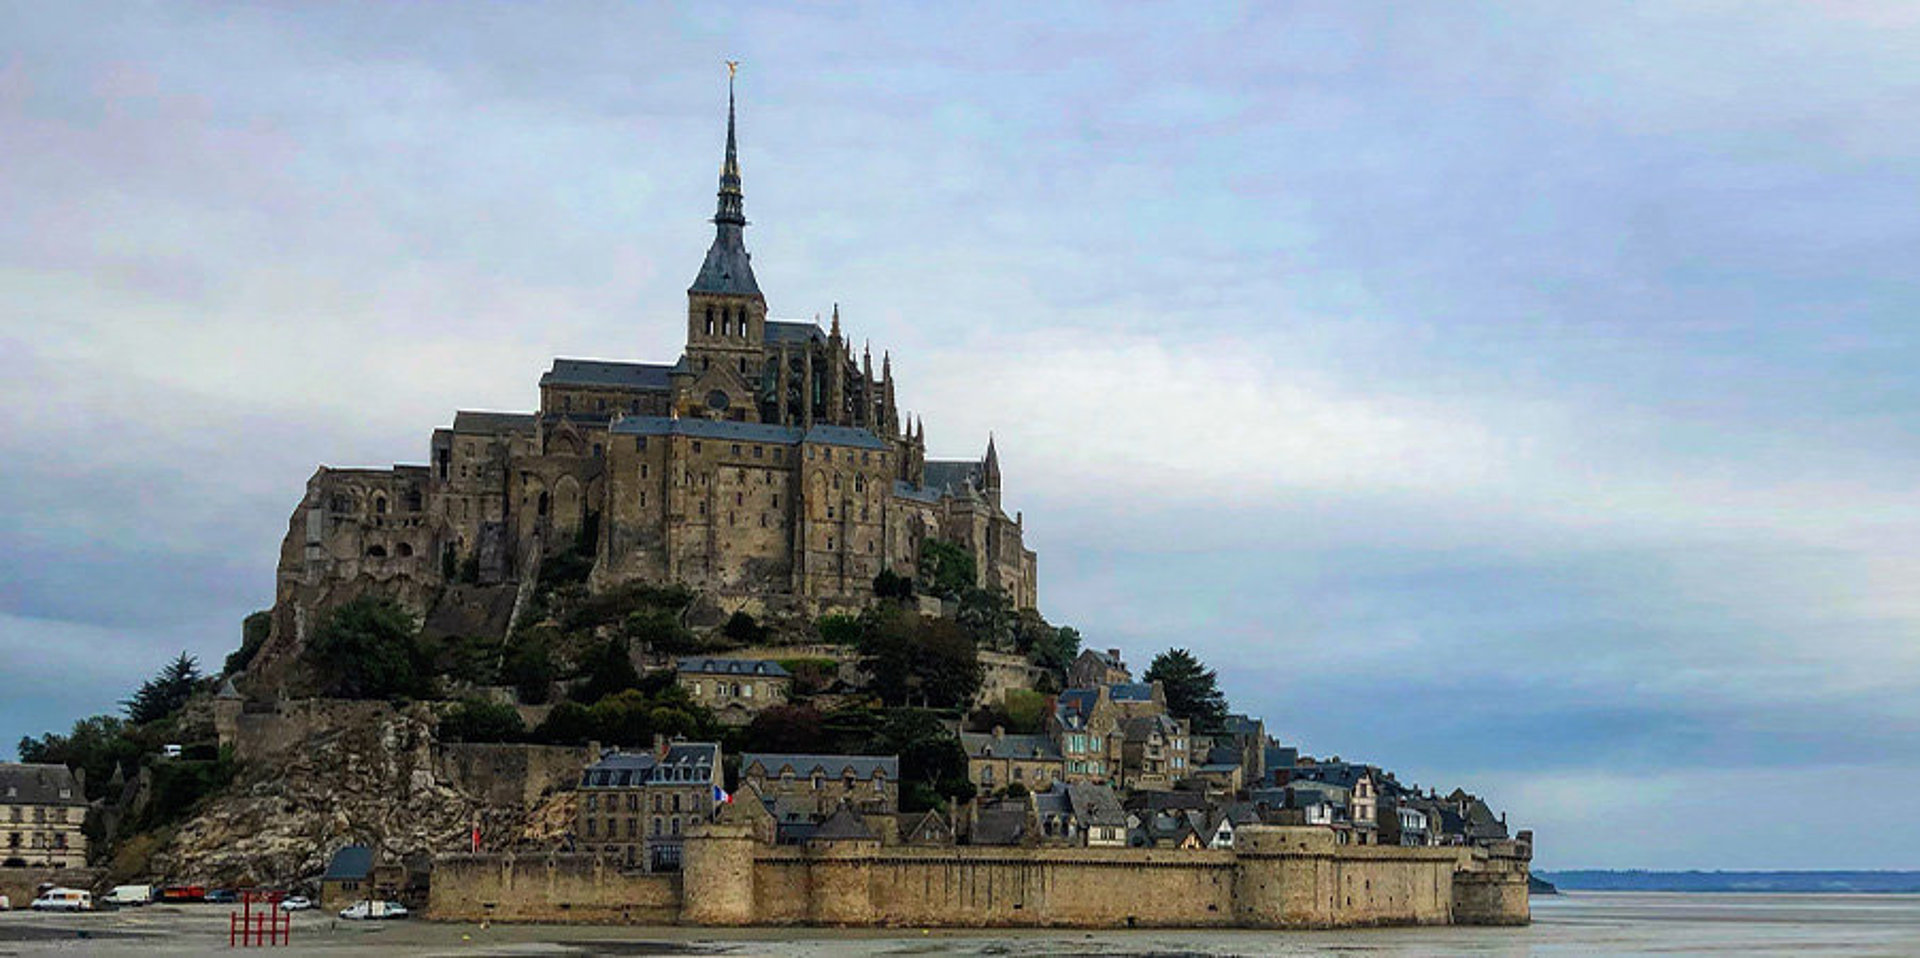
(545, 504)
(741, 315)
(709, 320)
(380, 505)
(405, 550)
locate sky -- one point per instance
(1518, 396)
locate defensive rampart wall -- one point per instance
(1273, 878)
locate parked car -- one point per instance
(134, 895)
(365, 910)
(64, 899)
(222, 896)
(296, 903)
(179, 893)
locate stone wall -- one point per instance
(1274, 878)
(552, 888)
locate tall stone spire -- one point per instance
(728, 268)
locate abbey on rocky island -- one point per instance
(767, 464)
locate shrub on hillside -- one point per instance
(477, 721)
(369, 648)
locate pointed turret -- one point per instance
(990, 473)
(728, 269)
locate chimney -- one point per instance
(1115, 653)
(659, 745)
(999, 732)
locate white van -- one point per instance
(129, 895)
(64, 899)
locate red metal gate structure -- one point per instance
(252, 927)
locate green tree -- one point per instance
(162, 695)
(987, 615)
(254, 630)
(786, 729)
(933, 766)
(1055, 649)
(892, 585)
(95, 745)
(369, 648)
(838, 629)
(569, 723)
(1193, 690)
(529, 666)
(915, 659)
(946, 569)
(477, 721)
(741, 627)
(608, 669)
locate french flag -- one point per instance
(722, 796)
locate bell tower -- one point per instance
(726, 315)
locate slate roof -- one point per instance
(37, 784)
(1343, 774)
(785, 331)
(951, 474)
(1002, 824)
(687, 761)
(985, 745)
(493, 423)
(1096, 805)
(619, 770)
(845, 436)
(599, 372)
(1130, 692)
(1074, 706)
(1243, 725)
(760, 667)
(831, 766)
(353, 862)
(1147, 800)
(844, 825)
(1279, 757)
(706, 429)
(728, 268)
(906, 490)
(1143, 726)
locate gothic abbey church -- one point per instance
(767, 467)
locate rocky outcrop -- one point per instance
(345, 772)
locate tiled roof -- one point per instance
(493, 423)
(37, 784)
(600, 372)
(762, 667)
(831, 766)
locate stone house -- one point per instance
(1081, 815)
(735, 690)
(1362, 785)
(1085, 725)
(45, 811)
(1094, 668)
(1220, 770)
(1153, 752)
(1406, 820)
(930, 827)
(636, 807)
(816, 785)
(348, 878)
(997, 760)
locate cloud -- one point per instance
(1516, 396)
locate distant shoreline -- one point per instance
(1753, 882)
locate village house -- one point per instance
(1153, 752)
(735, 690)
(1085, 726)
(808, 788)
(997, 760)
(1081, 815)
(45, 810)
(636, 807)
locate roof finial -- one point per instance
(732, 209)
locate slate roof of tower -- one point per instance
(600, 372)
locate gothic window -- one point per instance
(380, 505)
(709, 320)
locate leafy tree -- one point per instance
(1193, 690)
(892, 585)
(477, 721)
(915, 659)
(568, 724)
(254, 630)
(786, 729)
(1055, 649)
(180, 785)
(369, 648)
(987, 615)
(529, 666)
(811, 676)
(1021, 712)
(933, 766)
(946, 569)
(609, 670)
(162, 695)
(741, 627)
(838, 629)
(660, 630)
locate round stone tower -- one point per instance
(716, 875)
